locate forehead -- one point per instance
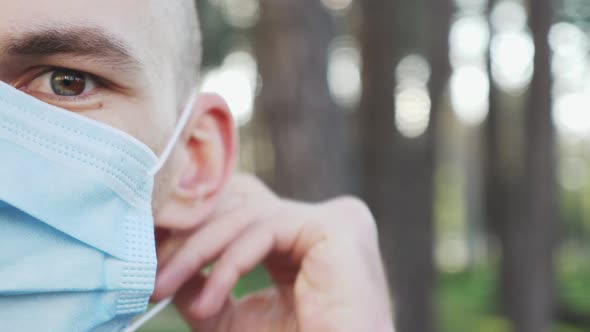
(131, 21)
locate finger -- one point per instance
(167, 246)
(189, 291)
(168, 242)
(185, 297)
(200, 249)
(243, 255)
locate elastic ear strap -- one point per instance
(148, 315)
(182, 121)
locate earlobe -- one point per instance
(205, 160)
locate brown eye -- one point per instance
(62, 83)
(67, 82)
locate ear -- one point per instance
(206, 158)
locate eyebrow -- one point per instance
(92, 42)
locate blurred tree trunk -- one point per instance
(496, 209)
(530, 237)
(397, 171)
(440, 13)
(502, 180)
(306, 128)
(377, 136)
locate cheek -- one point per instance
(136, 117)
(162, 189)
(165, 183)
(151, 126)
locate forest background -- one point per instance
(463, 124)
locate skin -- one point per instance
(323, 258)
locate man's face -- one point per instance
(110, 60)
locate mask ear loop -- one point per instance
(182, 121)
(148, 315)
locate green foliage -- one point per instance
(255, 280)
(465, 302)
(575, 288)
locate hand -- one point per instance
(323, 258)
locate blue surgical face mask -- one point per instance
(77, 249)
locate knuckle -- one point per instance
(358, 215)
(357, 209)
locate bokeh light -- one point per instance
(413, 70)
(469, 94)
(344, 76)
(337, 5)
(469, 84)
(240, 13)
(471, 6)
(509, 15)
(512, 49)
(451, 253)
(412, 100)
(512, 60)
(469, 39)
(412, 111)
(235, 80)
(571, 116)
(571, 90)
(568, 40)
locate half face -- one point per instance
(117, 62)
(92, 57)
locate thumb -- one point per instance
(336, 291)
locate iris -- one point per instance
(68, 82)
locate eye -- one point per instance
(63, 83)
(67, 83)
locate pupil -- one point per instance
(67, 82)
